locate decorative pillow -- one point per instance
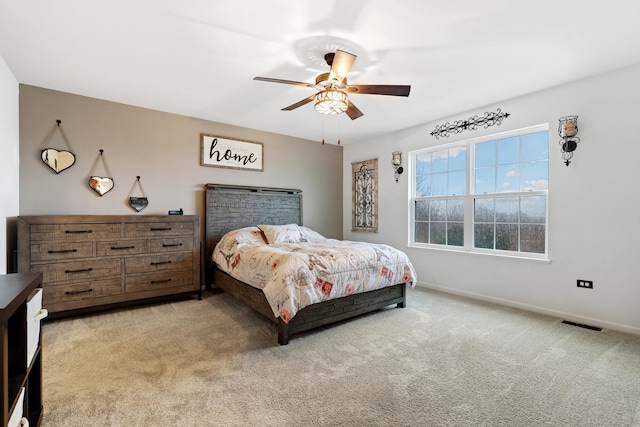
(308, 235)
(289, 233)
(247, 236)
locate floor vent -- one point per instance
(582, 325)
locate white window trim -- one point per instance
(468, 201)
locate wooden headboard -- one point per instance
(229, 207)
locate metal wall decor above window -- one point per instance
(472, 123)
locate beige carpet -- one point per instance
(442, 361)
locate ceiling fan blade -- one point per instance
(395, 90)
(300, 103)
(288, 82)
(353, 112)
(342, 62)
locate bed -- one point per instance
(233, 214)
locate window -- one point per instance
(483, 195)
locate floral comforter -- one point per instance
(309, 270)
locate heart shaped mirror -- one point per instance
(58, 160)
(101, 185)
(138, 203)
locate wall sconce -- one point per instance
(396, 161)
(568, 129)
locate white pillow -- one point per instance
(289, 233)
(308, 235)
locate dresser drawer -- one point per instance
(150, 264)
(149, 282)
(81, 291)
(83, 231)
(158, 229)
(75, 271)
(122, 247)
(61, 251)
(171, 244)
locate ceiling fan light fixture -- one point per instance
(331, 102)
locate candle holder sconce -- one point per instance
(396, 161)
(568, 129)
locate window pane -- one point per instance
(535, 146)
(483, 236)
(535, 176)
(486, 180)
(509, 150)
(457, 182)
(438, 210)
(439, 184)
(507, 237)
(484, 210)
(458, 159)
(533, 209)
(507, 209)
(423, 175)
(455, 210)
(532, 238)
(422, 232)
(438, 233)
(508, 178)
(485, 154)
(440, 161)
(455, 234)
(422, 210)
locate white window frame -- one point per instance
(470, 196)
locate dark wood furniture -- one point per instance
(229, 207)
(17, 375)
(94, 262)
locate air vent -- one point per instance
(582, 325)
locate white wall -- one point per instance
(9, 162)
(594, 207)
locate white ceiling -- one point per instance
(198, 57)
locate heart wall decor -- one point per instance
(101, 185)
(58, 160)
(138, 203)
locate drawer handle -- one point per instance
(63, 251)
(161, 262)
(85, 291)
(85, 270)
(154, 282)
(78, 231)
(115, 248)
(167, 245)
(161, 229)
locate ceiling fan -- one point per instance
(333, 89)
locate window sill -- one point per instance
(516, 257)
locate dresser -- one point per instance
(96, 261)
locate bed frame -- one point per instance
(229, 207)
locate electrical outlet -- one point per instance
(587, 284)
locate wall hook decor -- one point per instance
(58, 160)
(100, 184)
(568, 129)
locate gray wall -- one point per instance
(9, 164)
(164, 150)
(593, 207)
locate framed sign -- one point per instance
(229, 153)
(365, 196)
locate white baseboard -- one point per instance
(536, 309)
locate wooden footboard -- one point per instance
(315, 315)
